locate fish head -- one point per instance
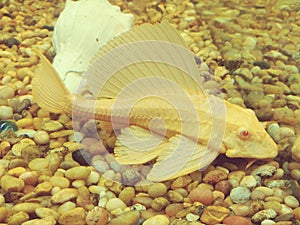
(245, 137)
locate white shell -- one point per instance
(81, 29)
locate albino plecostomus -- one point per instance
(147, 84)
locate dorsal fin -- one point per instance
(142, 54)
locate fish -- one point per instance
(146, 85)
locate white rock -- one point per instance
(81, 29)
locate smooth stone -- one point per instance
(158, 219)
(240, 195)
(75, 217)
(125, 218)
(59, 181)
(78, 172)
(236, 220)
(263, 214)
(6, 112)
(44, 221)
(115, 203)
(28, 207)
(291, 201)
(215, 176)
(38, 164)
(97, 216)
(214, 214)
(248, 181)
(6, 92)
(64, 195)
(240, 209)
(203, 195)
(267, 222)
(264, 171)
(11, 184)
(51, 126)
(42, 137)
(46, 212)
(18, 218)
(127, 194)
(157, 190)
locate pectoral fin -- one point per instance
(136, 145)
(180, 156)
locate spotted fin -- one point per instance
(136, 145)
(180, 156)
(143, 53)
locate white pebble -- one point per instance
(267, 222)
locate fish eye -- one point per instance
(243, 133)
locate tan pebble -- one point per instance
(64, 195)
(67, 206)
(61, 133)
(173, 209)
(25, 122)
(2, 200)
(174, 197)
(78, 183)
(51, 125)
(265, 190)
(159, 203)
(46, 212)
(6, 92)
(296, 213)
(93, 178)
(95, 189)
(214, 214)
(18, 218)
(44, 221)
(236, 220)
(18, 148)
(75, 217)
(157, 190)
(41, 137)
(144, 200)
(296, 149)
(275, 205)
(127, 194)
(291, 201)
(214, 176)
(248, 181)
(6, 112)
(78, 172)
(203, 195)
(38, 164)
(237, 175)
(59, 181)
(97, 216)
(43, 188)
(11, 184)
(158, 219)
(17, 171)
(3, 214)
(240, 209)
(115, 203)
(130, 217)
(192, 217)
(28, 207)
(181, 182)
(257, 195)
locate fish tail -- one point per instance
(48, 90)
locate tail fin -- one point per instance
(48, 89)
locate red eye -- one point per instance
(244, 133)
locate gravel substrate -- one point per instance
(252, 47)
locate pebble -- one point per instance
(6, 92)
(67, 206)
(38, 164)
(6, 112)
(181, 182)
(291, 201)
(203, 195)
(18, 218)
(214, 214)
(51, 126)
(240, 195)
(158, 219)
(130, 217)
(264, 171)
(97, 216)
(74, 216)
(159, 203)
(46, 212)
(214, 176)
(236, 220)
(78, 172)
(173, 209)
(267, 222)
(11, 184)
(127, 194)
(130, 177)
(115, 203)
(240, 209)
(263, 214)
(2, 200)
(224, 186)
(64, 195)
(28, 207)
(41, 137)
(157, 190)
(59, 181)
(248, 181)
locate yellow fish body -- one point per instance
(147, 84)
